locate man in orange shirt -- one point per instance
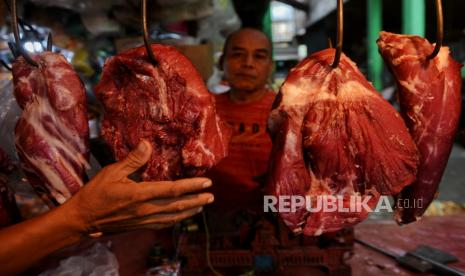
(247, 65)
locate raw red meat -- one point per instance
(333, 134)
(51, 137)
(168, 105)
(9, 212)
(430, 101)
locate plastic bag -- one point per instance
(80, 6)
(9, 114)
(95, 261)
(180, 10)
(222, 22)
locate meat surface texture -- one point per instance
(334, 135)
(51, 136)
(430, 101)
(168, 105)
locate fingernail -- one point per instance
(210, 200)
(141, 147)
(207, 184)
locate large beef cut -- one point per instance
(168, 105)
(51, 136)
(9, 212)
(334, 135)
(430, 101)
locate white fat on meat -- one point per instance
(65, 142)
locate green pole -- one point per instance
(374, 26)
(413, 17)
(267, 23)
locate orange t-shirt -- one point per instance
(249, 150)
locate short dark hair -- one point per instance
(231, 35)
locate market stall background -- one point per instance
(87, 32)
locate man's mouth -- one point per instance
(245, 76)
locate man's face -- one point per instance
(247, 62)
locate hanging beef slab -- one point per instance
(333, 134)
(430, 100)
(168, 105)
(51, 136)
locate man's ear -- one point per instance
(220, 62)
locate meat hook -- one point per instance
(26, 27)
(340, 30)
(23, 24)
(439, 30)
(49, 42)
(4, 64)
(20, 49)
(146, 35)
(13, 49)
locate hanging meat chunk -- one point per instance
(51, 136)
(334, 135)
(430, 101)
(168, 105)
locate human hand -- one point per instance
(111, 202)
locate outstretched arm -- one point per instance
(110, 202)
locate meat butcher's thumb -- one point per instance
(135, 159)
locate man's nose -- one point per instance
(248, 61)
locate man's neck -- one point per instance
(243, 97)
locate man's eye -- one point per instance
(236, 54)
(261, 56)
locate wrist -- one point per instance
(73, 219)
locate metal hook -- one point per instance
(146, 35)
(439, 30)
(49, 42)
(16, 34)
(13, 49)
(26, 27)
(4, 64)
(340, 29)
(21, 22)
